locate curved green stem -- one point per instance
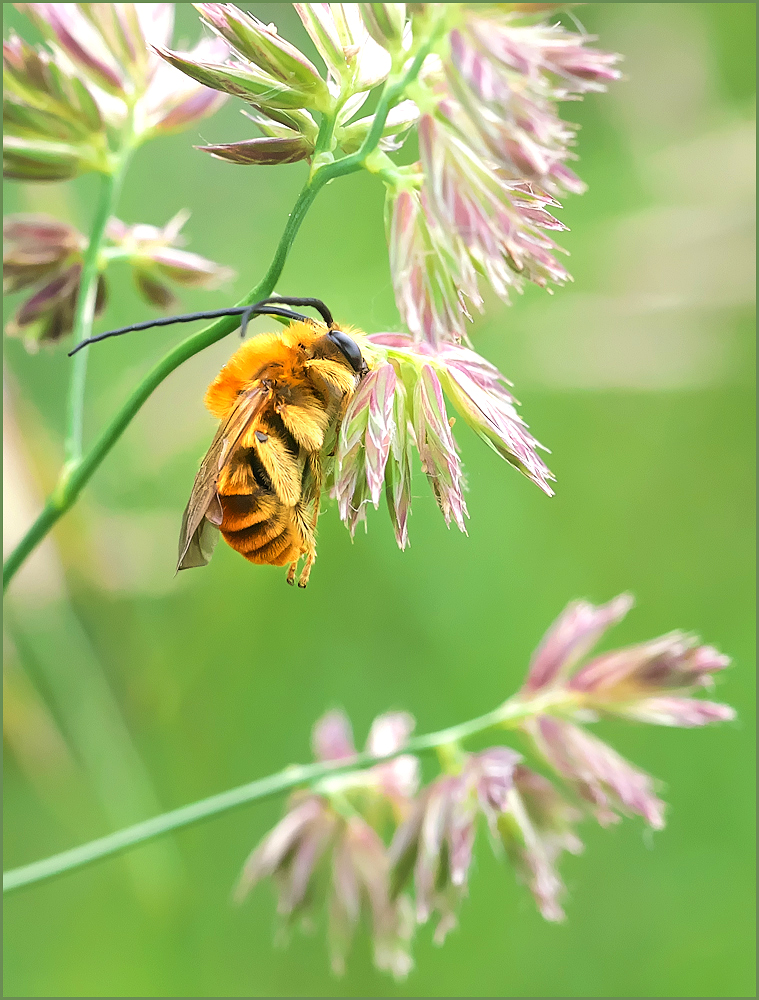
(85, 307)
(77, 473)
(508, 715)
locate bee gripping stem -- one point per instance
(80, 469)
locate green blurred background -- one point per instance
(129, 690)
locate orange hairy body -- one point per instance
(279, 398)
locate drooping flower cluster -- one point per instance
(645, 683)
(65, 108)
(493, 151)
(493, 156)
(371, 838)
(330, 844)
(45, 256)
(400, 405)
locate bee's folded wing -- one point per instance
(200, 547)
(203, 513)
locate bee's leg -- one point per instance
(303, 519)
(306, 571)
(305, 516)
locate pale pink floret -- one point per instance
(599, 774)
(437, 839)
(379, 429)
(398, 779)
(314, 835)
(79, 39)
(437, 449)
(433, 275)
(339, 33)
(364, 445)
(575, 632)
(684, 712)
(332, 737)
(113, 46)
(541, 828)
(672, 662)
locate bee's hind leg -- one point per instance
(305, 523)
(306, 571)
(305, 515)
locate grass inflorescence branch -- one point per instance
(262, 788)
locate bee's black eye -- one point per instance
(349, 348)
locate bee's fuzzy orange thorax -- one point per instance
(249, 361)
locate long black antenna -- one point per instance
(266, 307)
(317, 304)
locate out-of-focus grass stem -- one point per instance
(84, 317)
(506, 716)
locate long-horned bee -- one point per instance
(280, 399)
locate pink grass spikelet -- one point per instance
(352, 57)
(327, 851)
(378, 430)
(437, 449)
(599, 774)
(433, 276)
(45, 257)
(641, 682)
(157, 260)
(351, 488)
(535, 825)
(437, 839)
(500, 223)
(508, 79)
(575, 632)
(109, 45)
(493, 154)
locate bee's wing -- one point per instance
(203, 513)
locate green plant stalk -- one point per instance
(507, 716)
(84, 316)
(79, 473)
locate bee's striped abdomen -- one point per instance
(256, 522)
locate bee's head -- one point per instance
(349, 349)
